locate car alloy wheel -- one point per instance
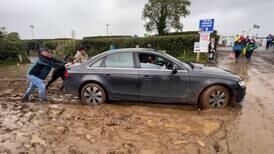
(215, 97)
(93, 94)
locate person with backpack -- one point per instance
(251, 46)
(238, 48)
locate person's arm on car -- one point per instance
(51, 62)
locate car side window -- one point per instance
(120, 60)
(98, 63)
(150, 61)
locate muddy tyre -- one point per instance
(93, 94)
(215, 97)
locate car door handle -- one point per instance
(108, 76)
(147, 77)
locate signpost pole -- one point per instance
(198, 57)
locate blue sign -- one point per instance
(206, 25)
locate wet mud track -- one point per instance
(65, 126)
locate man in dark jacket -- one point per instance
(211, 50)
(39, 71)
(269, 39)
(60, 72)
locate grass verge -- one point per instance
(191, 57)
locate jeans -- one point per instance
(237, 54)
(36, 82)
(249, 54)
(268, 44)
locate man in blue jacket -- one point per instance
(38, 73)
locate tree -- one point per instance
(11, 46)
(13, 36)
(2, 32)
(163, 15)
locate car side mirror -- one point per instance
(174, 69)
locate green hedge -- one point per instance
(182, 33)
(102, 37)
(9, 51)
(174, 45)
(60, 46)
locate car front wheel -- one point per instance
(93, 94)
(215, 97)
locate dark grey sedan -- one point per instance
(151, 76)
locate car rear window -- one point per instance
(97, 64)
(120, 60)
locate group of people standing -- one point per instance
(244, 46)
(39, 71)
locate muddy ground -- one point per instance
(65, 126)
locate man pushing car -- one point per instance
(38, 73)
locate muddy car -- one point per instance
(148, 75)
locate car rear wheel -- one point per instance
(93, 94)
(215, 97)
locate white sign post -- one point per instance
(202, 46)
(206, 26)
(196, 47)
(204, 41)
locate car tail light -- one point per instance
(66, 74)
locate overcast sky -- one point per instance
(56, 18)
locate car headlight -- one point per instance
(242, 83)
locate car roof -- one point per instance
(131, 50)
